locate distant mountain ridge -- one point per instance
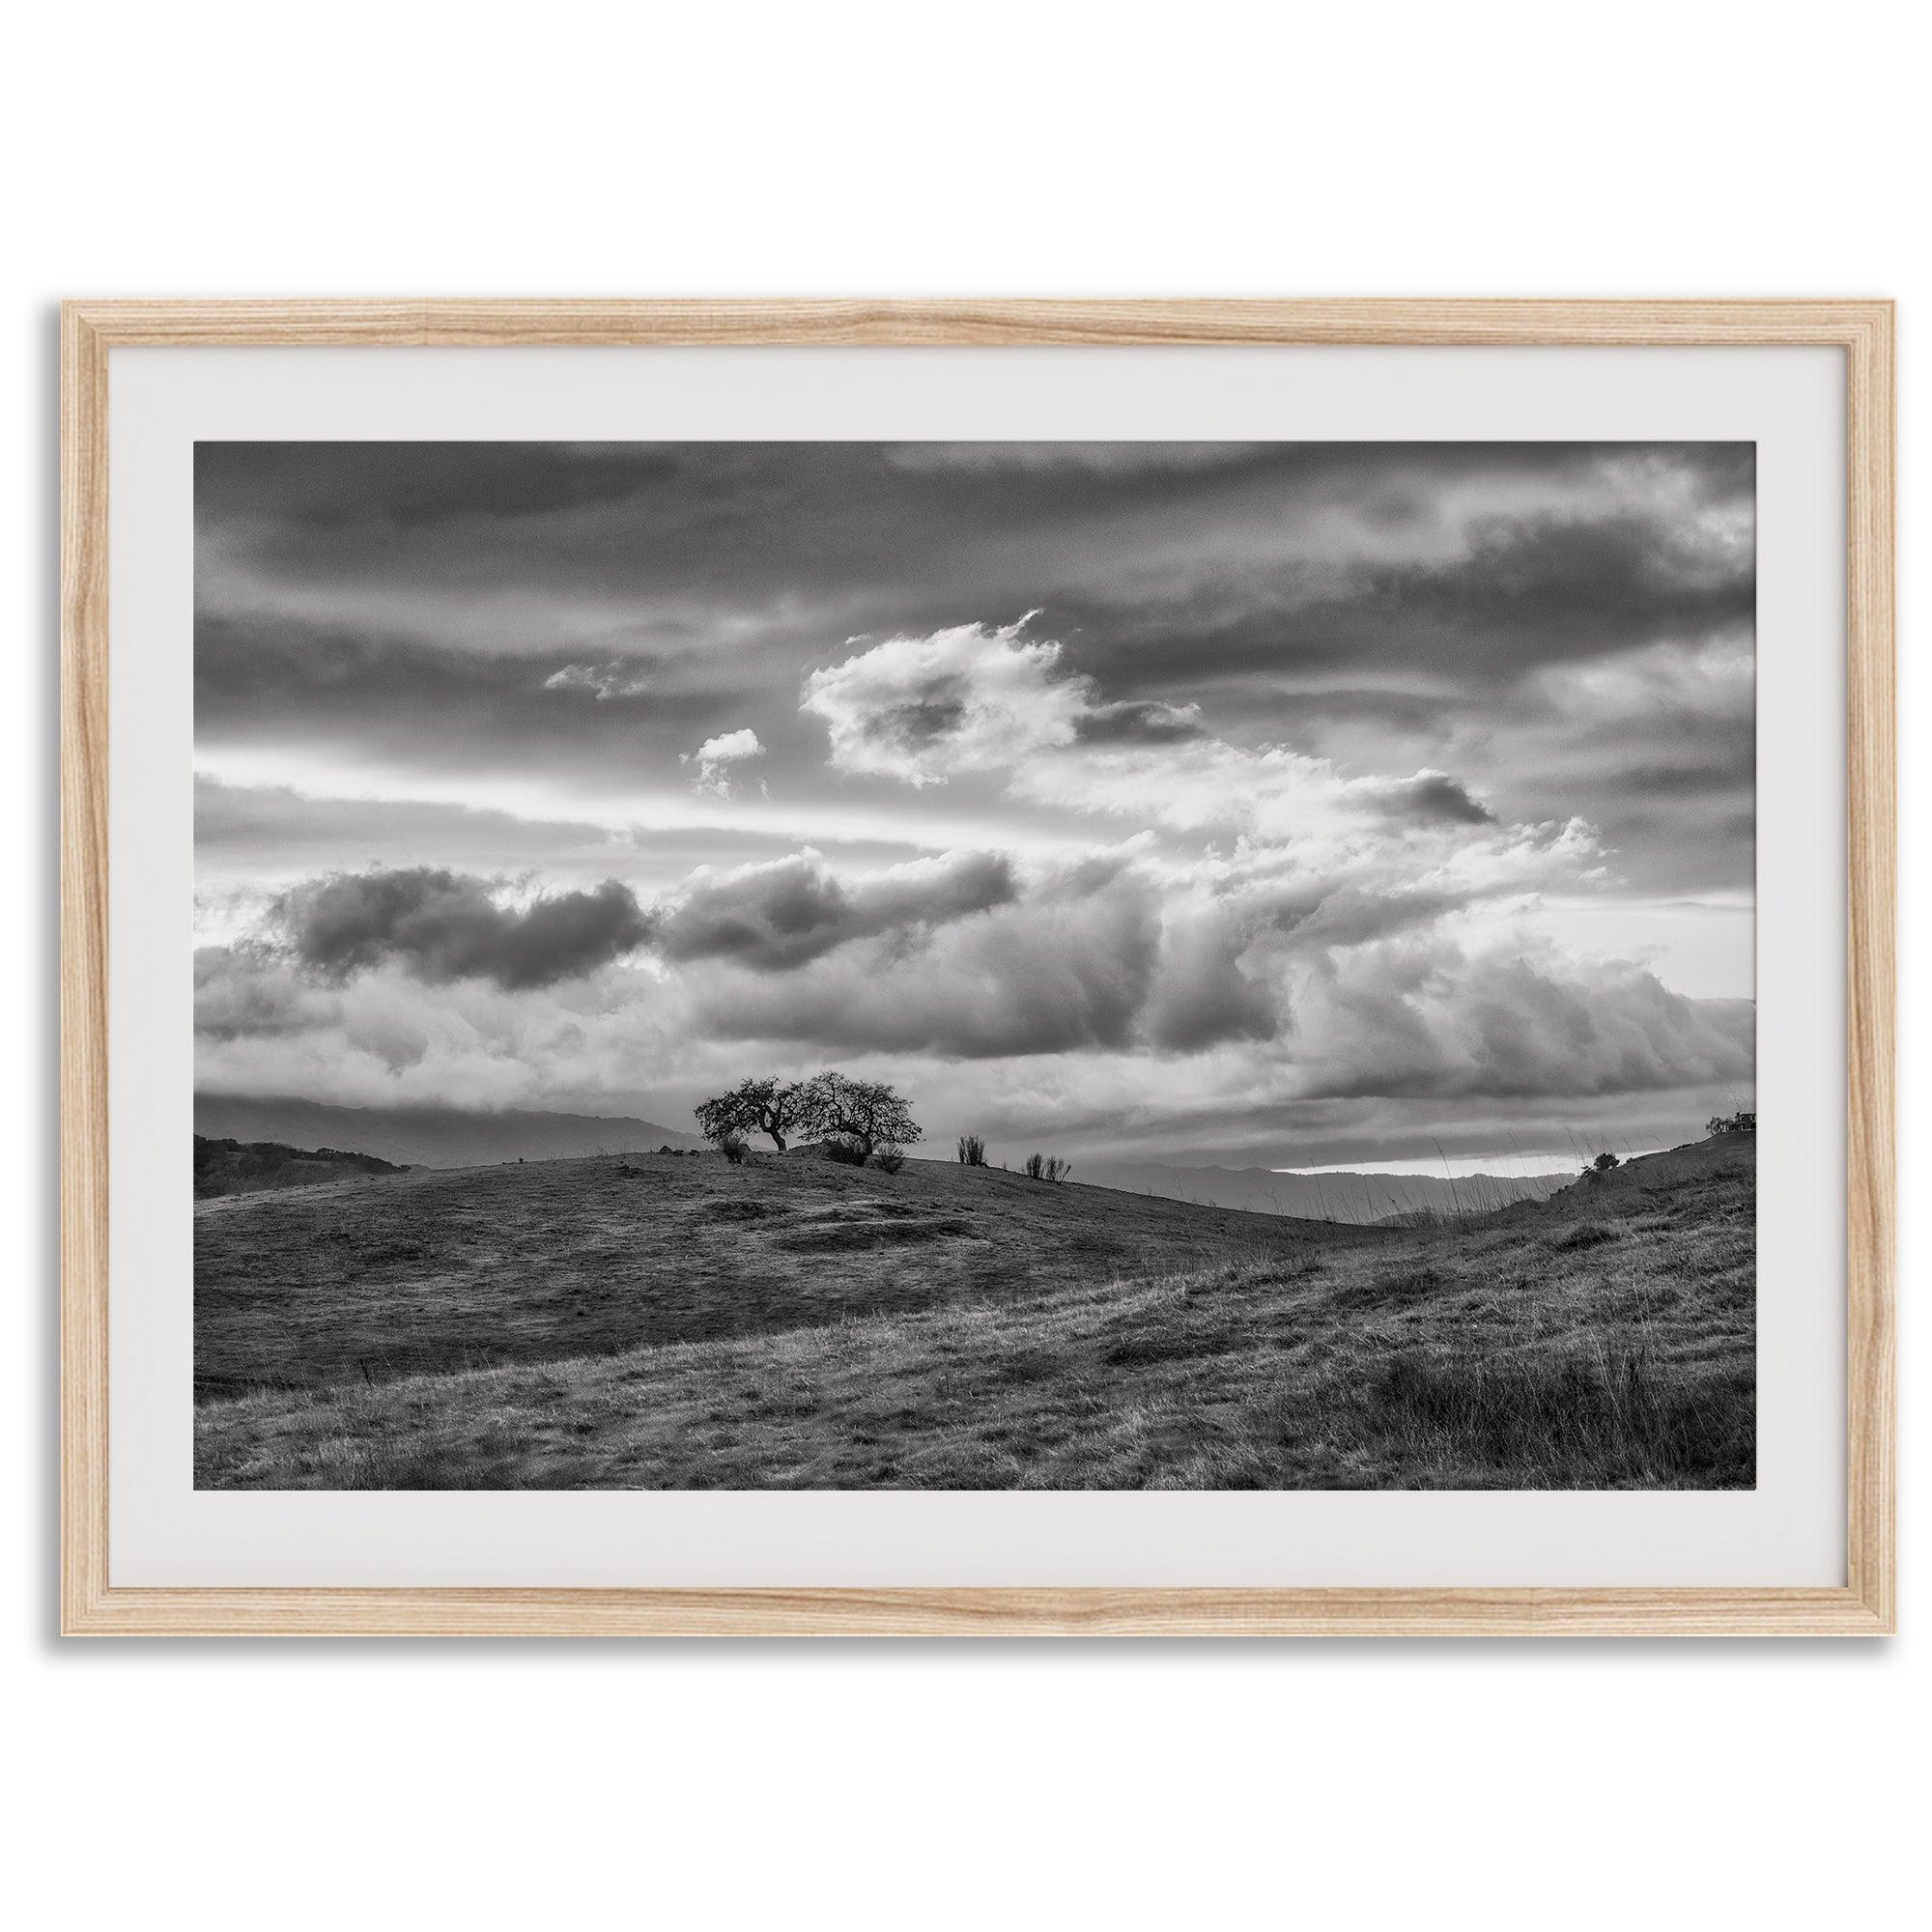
(1361, 1198)
(429, 1136)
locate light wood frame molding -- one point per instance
(1866, 1606)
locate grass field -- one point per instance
(669, 1322)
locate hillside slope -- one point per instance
(443, 1269)
(428, 1136)
(796, 1325)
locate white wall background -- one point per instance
(1036, 148)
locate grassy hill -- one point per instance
(670, 1321)
(441, 1269)
(244, 1167)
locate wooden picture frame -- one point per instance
(1862, 330)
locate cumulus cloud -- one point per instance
(1093, 1000)
(970, 698)
(1059, 973)
(448, 926)
(772, 918)
(715, 757)
(391, 1040)
(1104, 955)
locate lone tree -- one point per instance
(867, 1113)
(773, 1107)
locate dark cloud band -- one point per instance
(776, 917)
(443, 925)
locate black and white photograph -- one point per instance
(864, 966)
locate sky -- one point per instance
(1279, 803)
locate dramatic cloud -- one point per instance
(1515, 595)
(1324, 791)
(394, 605)
(1555, 587)
(775, 916)
(1428, 1017)
(979, 700)
(444, 926)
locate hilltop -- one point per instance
(678, 1322)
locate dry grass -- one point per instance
(960, 1329)
(443, 1269)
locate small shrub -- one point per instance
(849, 1154)
(1605, 1163)
(1584, 1235)
(888, 1159)
(735, 1150)
(1399, 1287)
(972, 1151)
(1046, 1166)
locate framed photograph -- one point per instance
(995, 967)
